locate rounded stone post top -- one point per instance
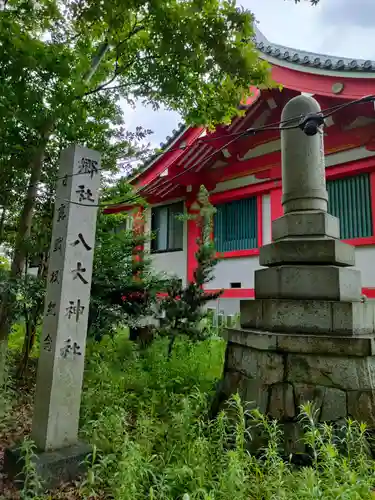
(302, 156)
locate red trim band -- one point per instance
(236, 254)
(248, 293)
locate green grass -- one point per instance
(147, 419)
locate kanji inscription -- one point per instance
(84, 193)
(88, 166)
(75, 309)
(81, 240)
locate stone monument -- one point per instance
(62, 344)
(307, 336)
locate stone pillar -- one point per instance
(303, 165)
(307, 260)
(307, 336)
(63, 338)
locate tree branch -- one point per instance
(136, 29)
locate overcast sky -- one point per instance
(336, 27)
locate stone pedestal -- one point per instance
(307, 336)
(52, 467)
(277, 373)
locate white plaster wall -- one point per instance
(242, 270)
(236, 183)
(172, 263)
(230, 271)
(365, 262)
(266, 219)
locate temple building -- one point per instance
(243, 175)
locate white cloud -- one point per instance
(335, 27)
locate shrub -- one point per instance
(183, 306)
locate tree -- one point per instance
(124, 287)
(183, 305)
(196, 57)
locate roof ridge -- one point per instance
(310, 59)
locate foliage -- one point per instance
(147, 419)
(196, 57)
(32, 484)
(124, 287)
(183, 305)
(153, 439)
(64, 67)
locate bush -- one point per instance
(183, 306)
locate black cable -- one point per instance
(237, 135)
(273, 126)
(264, 128)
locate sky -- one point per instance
(336, 27)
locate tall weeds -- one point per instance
(147, 417)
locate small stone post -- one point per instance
(63, 338)
(302, 164)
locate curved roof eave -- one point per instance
(311, 62)
(171, 141)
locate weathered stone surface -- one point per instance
(334, 405)
(302, 343)
(309, 316)
(361, 406)
(307, 393)
(251, 314)
(262, 365)
(308, 282)
(296, 316)
(353, 318)
(306, 224)
(63, 339)
(255, 394)
(332, 371)
(293, 438)
(53, 467)
(281, 405)
(232, 383)
(307, 251)
(319, 344)
(252, 338)
(234, 357)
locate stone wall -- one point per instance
(277, 373)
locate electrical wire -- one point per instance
(252, 131)
(280, 125)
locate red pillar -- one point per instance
(192, 247)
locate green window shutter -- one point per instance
(349, 199)
(236, 225)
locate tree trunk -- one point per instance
(24, 226)
(31, 322)
(170, 345)
(2, 222)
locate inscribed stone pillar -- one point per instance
(63, 339)
(303, 167)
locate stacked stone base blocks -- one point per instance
(308, 335)
(313, 341)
